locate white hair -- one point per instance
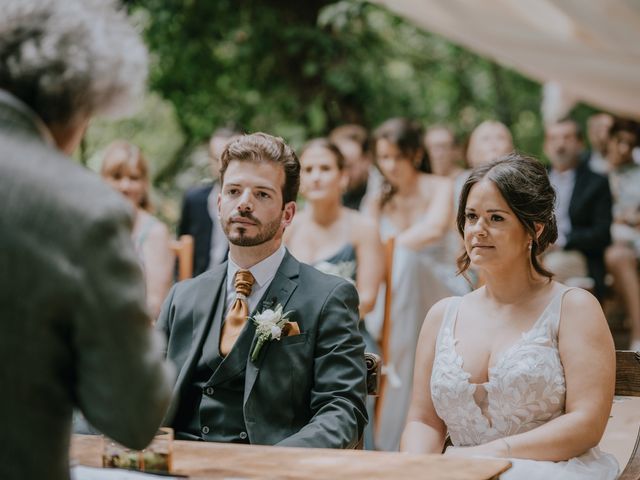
(70, 58)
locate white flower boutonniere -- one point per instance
(271, 325)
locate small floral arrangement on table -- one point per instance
(272, 325)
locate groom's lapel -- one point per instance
(282, 287)
(209, 298)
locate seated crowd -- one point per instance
(477, 273)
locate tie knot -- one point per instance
(243, 282)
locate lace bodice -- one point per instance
(526, 386)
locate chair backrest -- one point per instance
(628, 384)
(374, 367)
(183, 249)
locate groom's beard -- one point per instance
(237, 234)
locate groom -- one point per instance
(305, 389)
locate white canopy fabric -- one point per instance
(589, 48)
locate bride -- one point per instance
(523, 367)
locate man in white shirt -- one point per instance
(292, 373)
(583, 211)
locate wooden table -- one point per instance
(202, 460)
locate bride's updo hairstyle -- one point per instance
(524, 184)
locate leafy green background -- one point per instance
(297, 69)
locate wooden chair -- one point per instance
(386, 322)
(183, 250)
(628, 384)
(374, 367)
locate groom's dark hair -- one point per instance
(262, 147)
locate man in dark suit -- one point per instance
(74, 331)
(583, 209)
(199, 216)
(295, 382)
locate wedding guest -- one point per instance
(199, 216)
(335, 239)
(416, 210)
(363, 179)
(488, 141)
(75, 330)
(583, 211)
(523, 367)
(440, 145)
(621, 258)
(125, 168)
(291, 373)
(598, 126)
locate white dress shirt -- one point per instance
(563, 183)
(263, 272)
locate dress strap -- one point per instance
(555, 310)
(450, 313)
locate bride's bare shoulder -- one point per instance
(436, 314)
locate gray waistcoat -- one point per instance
(212, 410)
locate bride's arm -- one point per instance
(436, 222)
(425, 431)
(588, 356)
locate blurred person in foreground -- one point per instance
(523, 367)
(621, 257)
(126, 169)
(75, 330)
(363, 179)
(583, 211)
(199, 216)
(268, 348)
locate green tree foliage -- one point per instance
(297, 69)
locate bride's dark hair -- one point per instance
(524, 184)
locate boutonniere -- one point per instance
(272, 325)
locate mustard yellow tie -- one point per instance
(239, 311)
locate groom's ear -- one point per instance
(288, 213)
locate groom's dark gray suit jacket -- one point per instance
(306, 390)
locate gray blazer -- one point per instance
(306, 390)
(74, 331)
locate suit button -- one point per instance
(205, 429)
(243, 435)
(208, 391)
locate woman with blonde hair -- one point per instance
(125, 168)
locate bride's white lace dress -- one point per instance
(526, 388)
